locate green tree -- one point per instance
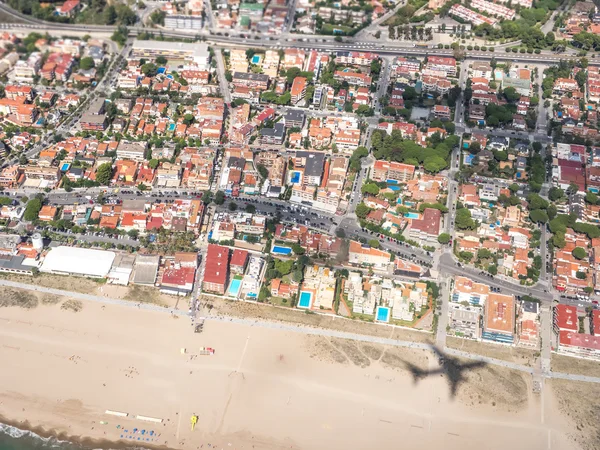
(555, 193)
(250, 208)
(538, 216)
(32, 210)
(443, 238)
(232, 206)
(298, 249)
(219, 198)
(374, 243)
(514, 187)
(511, 94)
(149, 69)
(434, 164)
(207, 197)
(370, 188)
(153, 163)
(591, 198)
(463, 220)
(362, 210)
(104, 173)
(579, 253)
(86, 63)
(262, 171)
(161, 60)
(536, 201)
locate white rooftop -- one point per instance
(78, 261)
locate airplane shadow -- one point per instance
(454, 370)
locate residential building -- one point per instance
(216, 272)
(364, 255)
(135, 151)
(298, 90)
(499, 318)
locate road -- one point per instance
(382, 86)
(447, 265)
(223, 84)
(325, 43)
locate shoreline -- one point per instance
(83, 442)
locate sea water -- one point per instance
(12, 438)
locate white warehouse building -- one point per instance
(78, 261)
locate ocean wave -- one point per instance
(17, 433)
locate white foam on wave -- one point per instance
(17, 433)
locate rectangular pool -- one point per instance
(383, 314)
(255, 59)
(281, 250)
(234, 287)
(305, 299)
(411, 215)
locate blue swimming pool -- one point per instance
(255, 59)
(394, 188)
(277, 250)
(305, 299)
(171, 127)
(411, 215)
(251, 295)
(234, 287)
(295, 177)
(383, 314)
(65, 167)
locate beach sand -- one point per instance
(264, 388)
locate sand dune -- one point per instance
(264, 388)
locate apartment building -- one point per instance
(353, 78)
(499, 318)
(167, 176)
(298, 90)
(391, 171)
(469, 15)
(426, 228)
(494, 9)
(216, 272)
(258, 81)
(355, 58)
(135, 151)
(464, 321)
(196, 53)
(363, 255)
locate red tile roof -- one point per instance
(217, 264)
(566, 317)
(239, 257)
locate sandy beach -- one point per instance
(263, 389)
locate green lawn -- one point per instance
(328, 28)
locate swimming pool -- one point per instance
(281, 250)
(234, 287)
(305, 299)
(394, 188)
(255, 59)
(251, 295)
(65, 167)
(171, 127)
(295, 177)
(411, 215)
(383, 314)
